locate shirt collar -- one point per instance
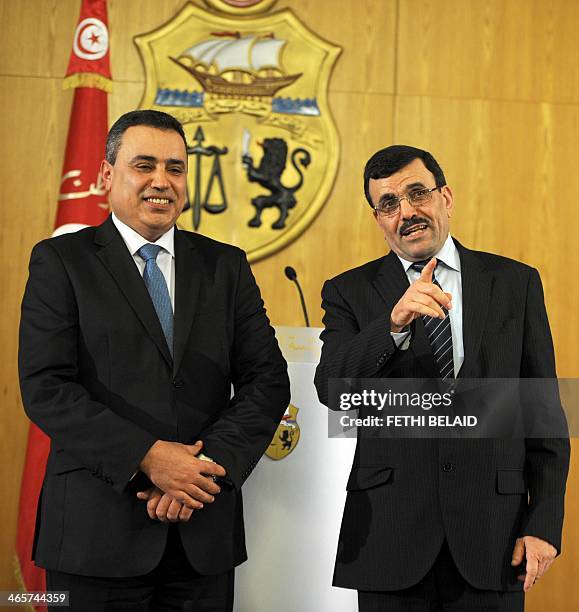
(135, 241)
(448, 255)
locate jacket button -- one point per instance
(448, 467)
(178, 383)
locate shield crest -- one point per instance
(251, 94)
(286, 437)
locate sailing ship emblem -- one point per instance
(230, 64)
(247, 89)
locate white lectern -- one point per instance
(293, 506)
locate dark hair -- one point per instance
(151, 118)
(391, 159)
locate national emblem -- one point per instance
(286, 436)
(227, 78)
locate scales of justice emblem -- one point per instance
(251, 94)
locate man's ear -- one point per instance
(107, 171)
(448, 196)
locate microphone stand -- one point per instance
(292, 275)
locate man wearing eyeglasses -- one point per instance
(440, 524)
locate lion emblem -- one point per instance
(268, 175)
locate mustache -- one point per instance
(411, 222)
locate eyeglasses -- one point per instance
(417, 197)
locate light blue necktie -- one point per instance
(157, 287)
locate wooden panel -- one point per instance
(31, 166)
(37, 36)
(501, 49)
(126, 97)
(127, 19)
(366, 29)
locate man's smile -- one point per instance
(415, 230)
(157, 202)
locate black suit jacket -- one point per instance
(97, 376)
(406, 496)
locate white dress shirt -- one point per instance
(448, 275)
(165, 258)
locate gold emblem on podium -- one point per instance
(286, 436)
(252, 95)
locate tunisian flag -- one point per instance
(81, 202)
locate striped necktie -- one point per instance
(157, 288)
(439, 333)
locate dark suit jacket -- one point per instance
(406, 496)
(98, 378)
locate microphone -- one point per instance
(293, 276)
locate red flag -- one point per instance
(81, 202)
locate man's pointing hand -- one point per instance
(423, 297)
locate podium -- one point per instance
(293, 506)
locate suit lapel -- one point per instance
(188, 266)
(391, 281)
(118, 261)
(476, 291)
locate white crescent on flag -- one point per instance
(91, 39)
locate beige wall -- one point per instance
(491, 87)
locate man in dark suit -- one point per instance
(440, 524)
(131, 336)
